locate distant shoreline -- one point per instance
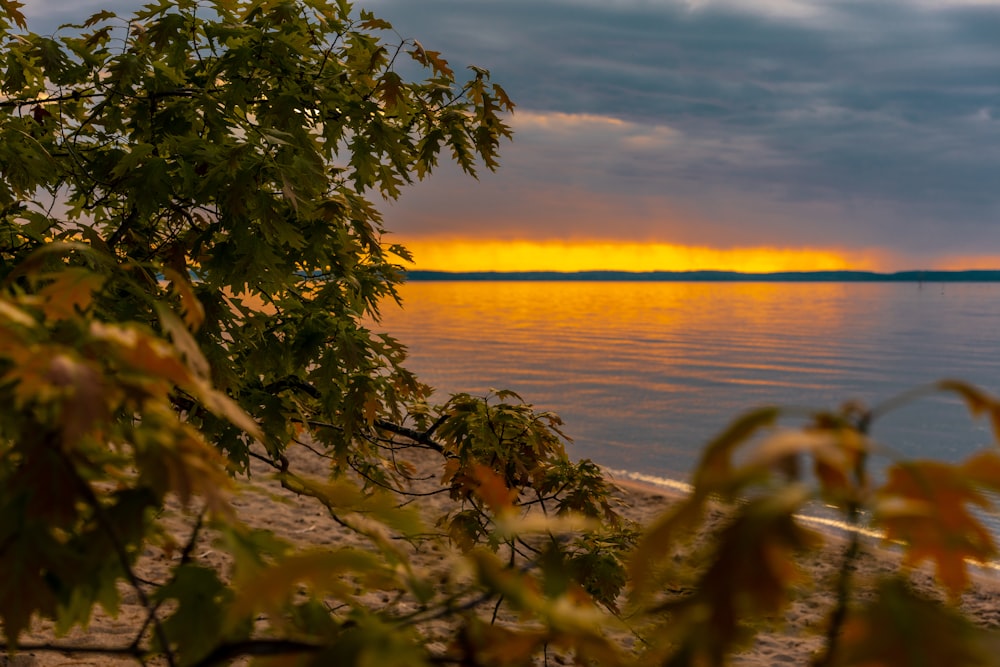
(989, 276)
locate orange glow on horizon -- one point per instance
(463, 255)
(967, 263)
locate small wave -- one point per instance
(653, 480)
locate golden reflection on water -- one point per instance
(694, 350)
(538, 312)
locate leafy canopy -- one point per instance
(190, 259)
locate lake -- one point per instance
(644, 373)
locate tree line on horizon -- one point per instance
(972, 275)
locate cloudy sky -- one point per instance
(707, 133)
(867, 127)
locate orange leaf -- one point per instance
(983, 468)
(491, 488)
(899, 628)
(836, 452)
(451, 468)
(194, 312)
(977, 401)
(714, 473)
(924, 505)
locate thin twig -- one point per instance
(108, 527)
(225, 653)
(843, 586)
(185, 558)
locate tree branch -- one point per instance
(256, 647)
(421, 437)
(221, 654)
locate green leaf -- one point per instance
(129, 161)
(196, 625)
(24, 590)
(99, 17)
(209, 289)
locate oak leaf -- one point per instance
(926, 506)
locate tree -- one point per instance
(189, 255)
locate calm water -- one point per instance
(645, 373)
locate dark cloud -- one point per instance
(875, 124)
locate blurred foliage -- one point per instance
(190, 261)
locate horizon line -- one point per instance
(713, 275)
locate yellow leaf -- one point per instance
(157, 360)
(173, 458)
(70, 293)
(571, 612)
(344, 496)
(321, 572)
(142, 352)
(509, 524)
(183, 340)
(223, 406)
(12, 313)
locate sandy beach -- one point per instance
(303, 521)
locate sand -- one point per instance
(303, 521)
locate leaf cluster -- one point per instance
(508, 469)
(190, 261)
(769, 476)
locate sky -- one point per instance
(713, 134)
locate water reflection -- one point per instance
(645, 373)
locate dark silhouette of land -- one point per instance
(721, 276)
